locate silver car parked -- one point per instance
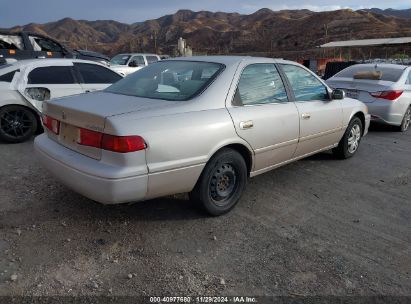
(384, 88)
(201, 125)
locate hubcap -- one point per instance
(16, 123)
(407, 119)
(354, 138)
(223, 183)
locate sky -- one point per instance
(20, 12)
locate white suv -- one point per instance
(130, 62)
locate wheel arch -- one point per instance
(35, 113)
(361, 116)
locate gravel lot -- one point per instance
(320, 226)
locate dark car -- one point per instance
(26, 45)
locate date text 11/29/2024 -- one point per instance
(205, 299)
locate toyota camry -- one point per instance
(201, 125)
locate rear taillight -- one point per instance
(120, 144)
(52, 124)
(389, 95)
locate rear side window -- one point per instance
(7, 77)
(51, 75)
(138, 60)
(305, 86)
(11, 42)
(151, 59)
(260, 84)
(409, 78)
(93, 73)
(386, 73)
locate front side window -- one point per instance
(305, 86)
(168, 80)
(93, 73)
(151, 59)
(51, 75)
(120, 59)
(260, 84)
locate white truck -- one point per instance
(128, 63)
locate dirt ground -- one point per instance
(320, 226)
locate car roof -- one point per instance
(51, 61)
(233, 60)
(133, 54)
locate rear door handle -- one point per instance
(306, 115)
(246, 124)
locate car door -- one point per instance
(263, 115)
(94, 77)
(47, 82)
(321, 118)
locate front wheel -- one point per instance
(17, 123)
(221, 183)
(350, 142)
(406, 121)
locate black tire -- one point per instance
(221, 183)
(345, 149)
(406, 121)
(17, 123)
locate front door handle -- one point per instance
(306, 116)
(246, 124)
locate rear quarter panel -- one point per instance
(178, 145)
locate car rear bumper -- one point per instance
(387, 112)
(107, 189)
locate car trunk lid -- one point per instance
(89, 111)
(360, 88)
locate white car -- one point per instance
(131, 62)
(384, 88)
(26, 84)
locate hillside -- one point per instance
(405, 13)
(209, 32)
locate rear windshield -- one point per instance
(371, 73)
(168, 80)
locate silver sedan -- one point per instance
(202, 125)
(384, 88)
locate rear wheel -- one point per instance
(350, 142)
(222, 182)
(406, 121)
(17, 123)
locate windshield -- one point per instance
(368, 72)
(120, 59)
(169, 80)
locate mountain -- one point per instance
(405, 13)
(265, 31)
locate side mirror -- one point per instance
(133, 64)
(338, 94)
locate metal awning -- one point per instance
(367, 42)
